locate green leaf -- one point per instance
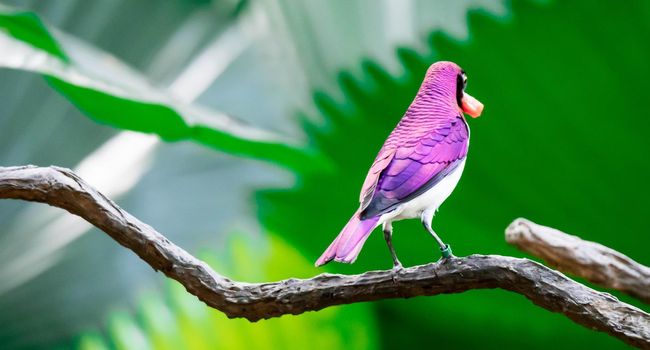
(28, 27)
(121, 98)
(562, 141)
(92, 341)
(125, 332)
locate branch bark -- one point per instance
(571, 254)
(254, 301)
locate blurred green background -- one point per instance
(277, 109)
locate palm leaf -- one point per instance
(123, 99)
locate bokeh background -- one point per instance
(138, 96)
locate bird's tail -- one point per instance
(348, 244)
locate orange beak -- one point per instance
(471, 106)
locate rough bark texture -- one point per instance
(592, 261)
(545, 287)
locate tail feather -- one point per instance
(348, 243)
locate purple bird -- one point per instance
(417, 168)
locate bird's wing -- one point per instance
(413, 167)
(384, 158)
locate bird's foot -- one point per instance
(446, 252)
(397, 266)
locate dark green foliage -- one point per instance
(563, 141)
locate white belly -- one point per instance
(428, 201)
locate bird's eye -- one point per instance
(464, 81)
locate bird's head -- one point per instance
(449, 78)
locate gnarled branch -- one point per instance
(571, 254)
(545, 287)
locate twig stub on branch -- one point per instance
(571, 254)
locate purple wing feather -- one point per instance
(419, 160)
(381, 162)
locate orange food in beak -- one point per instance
(471, 106)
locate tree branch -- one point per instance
(254, 301)
(592, 261)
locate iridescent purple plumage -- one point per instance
(428, 144)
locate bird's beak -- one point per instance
(471, 105)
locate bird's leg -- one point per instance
(445, 249)
(388, 236)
